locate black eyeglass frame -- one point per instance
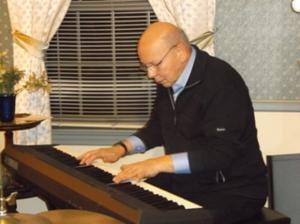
(145, 68)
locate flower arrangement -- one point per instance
(34, 83)
(11, 76)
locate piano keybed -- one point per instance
(87, 187)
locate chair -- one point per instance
(284, 185)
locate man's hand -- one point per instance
(145, 169)
(110, 155)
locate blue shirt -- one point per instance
(180, 160)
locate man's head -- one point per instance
(164, 50)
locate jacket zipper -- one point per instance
(219, 174)
(172, 99)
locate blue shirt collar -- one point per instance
(184, 76)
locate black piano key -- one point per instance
(97, 173)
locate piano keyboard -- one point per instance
(74, 151)
(56, 172)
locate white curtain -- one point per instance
(195, 17)
(34, 22)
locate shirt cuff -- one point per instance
(181, 163)
(137, 144)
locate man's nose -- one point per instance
(151, 73)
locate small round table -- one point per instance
(21, 122)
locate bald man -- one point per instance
(204, 119)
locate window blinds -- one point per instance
(93, 66)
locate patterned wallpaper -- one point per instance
(5, 32)
(261, 39)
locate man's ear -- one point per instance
(182, 51)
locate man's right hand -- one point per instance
(110, 155)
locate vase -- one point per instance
(7, 107)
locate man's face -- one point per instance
(161, 65)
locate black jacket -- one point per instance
(212, 120)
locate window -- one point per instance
(93, 66)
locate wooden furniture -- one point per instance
(21, 122)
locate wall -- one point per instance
(260, 38)
(5, 30)
(278, 132)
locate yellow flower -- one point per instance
(35, 83)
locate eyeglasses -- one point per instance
(146, 67)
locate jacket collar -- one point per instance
(199, 67)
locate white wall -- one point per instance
(278, 132)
